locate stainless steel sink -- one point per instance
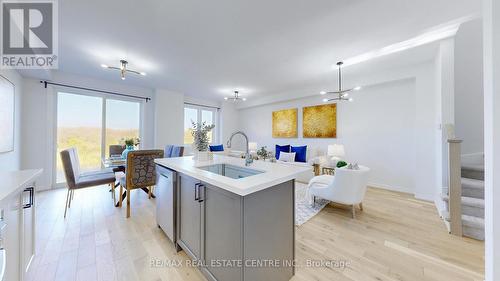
(230, 171)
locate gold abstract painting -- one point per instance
(320, 121)
(285, 123)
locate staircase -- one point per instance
(472, 201)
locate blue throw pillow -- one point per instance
(219, 147)
(280, 148)
(300, 153)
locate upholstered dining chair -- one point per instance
(140, 173)
(75, 179)
(116, 149)
(177, 151)
(173, 151)
(347, 187)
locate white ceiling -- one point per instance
(203, 48)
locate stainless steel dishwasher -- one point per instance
(166, 192)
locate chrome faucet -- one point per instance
(248, 157)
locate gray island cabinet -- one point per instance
(236, 237)
(236, 227)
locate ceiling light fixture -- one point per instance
(341, 95)
(236, 97)
(123, 69)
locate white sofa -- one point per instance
(311, 158)
(304, 177)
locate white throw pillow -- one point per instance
(287, 157)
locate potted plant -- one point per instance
(201, 141)
(262, 153)
(130, 144)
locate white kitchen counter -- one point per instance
(12, 182)
(273, 173)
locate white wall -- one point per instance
(229, 120)
(425, 182)
(169, 116)
(39, 124)
(11, 160)
(428, 135)
(469, 93)
(445, 75)
(378, 130)
(491, 23)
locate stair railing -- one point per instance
(454, 181)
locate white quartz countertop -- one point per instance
(273, 173)
(11, 182)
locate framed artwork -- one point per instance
(6, 115)
(285, 123)
(320, 121)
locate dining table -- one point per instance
(119, 166)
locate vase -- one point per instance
(127, 149)
(203, 155)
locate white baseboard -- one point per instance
(425, 197)
(439, 203)
(388, 187)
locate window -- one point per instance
(79, 125)
(199, 115)
(122, 121)
(91, 124)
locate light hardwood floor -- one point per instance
(395, 238)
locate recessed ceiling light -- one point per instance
(357, 88)
(104, 65)
(322, 93)
(325, 100)
(143, 73)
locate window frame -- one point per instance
(104, 98)
(215, 119)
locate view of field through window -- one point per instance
(85, 134)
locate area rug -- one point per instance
(304, 211)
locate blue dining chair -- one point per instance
(168, 151)
(177, 151)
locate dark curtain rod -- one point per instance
(208, 106)
(45, 83)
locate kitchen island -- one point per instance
(235, 222)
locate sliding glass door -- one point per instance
(79, 125)
(122, 121)
(91, 124)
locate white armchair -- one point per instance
(347, 187)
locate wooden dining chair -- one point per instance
(140, 173)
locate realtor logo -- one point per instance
(29, 34)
